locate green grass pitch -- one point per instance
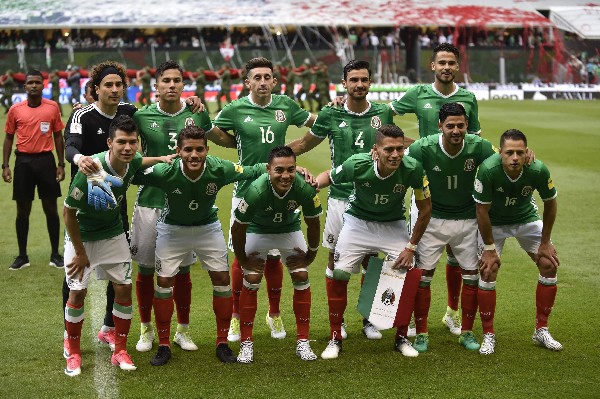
(563, 134)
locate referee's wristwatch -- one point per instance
(61, 164)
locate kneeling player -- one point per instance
(503, 192)
(374, 221)
(267, 218)
(189, 223)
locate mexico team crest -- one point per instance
(469, 165)
(398, 188)
(527, 190)
(292, 205)
(279, 116)
(211, 189)
(388, 297)
(375, 122)
(189, 122)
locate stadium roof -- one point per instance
(50, 14)
(585, 21)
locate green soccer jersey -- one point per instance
(192, 202)
(375, 198)
(451, 177)
(100, 225)
(268, 213)
(349, 133)
(259, 129)
(159, 131)
(425, 101)
(512, 200)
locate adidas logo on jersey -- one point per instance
(427, 106)
(268, 209)
(500, 189)
(436, 168)
(176, 191)
(343, 124)
(248, 119)
(100, 131)
(154, 125)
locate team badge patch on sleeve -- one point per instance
(238, 168)
(76, 194)
(316, 201)
(478, 186)
(550, 184)
(243, 206)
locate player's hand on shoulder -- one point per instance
(168, 158)
(308, 177)
(529, 157)
(195, 104)
(338, 101)
(87, 165)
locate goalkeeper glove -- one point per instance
(100, 195)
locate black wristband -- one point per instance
(4, 166)
(62, 165)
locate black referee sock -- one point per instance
(110, 300)
(53, 224)
(65, 295)
(22, 225)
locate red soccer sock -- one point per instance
(163, 312)
(468, 304)
(328, 285)
(337, 302)
(487, 308)
(222, 308)
(422, 304)
(302, 301)
(144, 291)
(544, 301)
(454, 284)
(74, 329)
(237, 278)
(122, 325)
(247, 313)
(182, 294)
(274, 280)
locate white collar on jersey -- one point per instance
(275, 192)
(442, 95)
(513, 180)
(258, 105)
(186, 176)
(377, 172)
(114, 172)
(102, 113)
(183, 106)
(357, 113)
(444, 150)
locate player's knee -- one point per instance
(77, 297)
(219, 278)
(165, 282)
(299, 277)
(428, 273)
(122, 292)
(489, 274)
(546, 267)
(253, 278)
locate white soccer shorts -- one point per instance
(235, 201)
(333, 222)
(284, 242)
(174, 244)
(529, 236)
(359, 238)
(460, 234)
(110, 259)
(143, 237)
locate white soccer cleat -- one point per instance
(275, 324)
(303, 350)
(246, 354)
(333, 349)
(234, 330)
(404, 346)
(343, 332)
(452, 320)
(183, 339)
(488, 345)
(412, 328)
(542, 337)
(371, 332)
(144, 344)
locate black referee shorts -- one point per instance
(33, 170)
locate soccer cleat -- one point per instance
(403, 345)
(66, 348)
(304, 351)
(246, 354)
(333, 349)
(276, 326)
(225, 354)
(344, 334)
(107, 337)
(371, 332)
(144, 344)
(234, 330)
(73, 365)
(20, 262)
(56, 260)
(452, 320)
(412, 328)
(421, 343)
(123, 360)
(488, 344)
(542, 337)
(183, 339)
(468, 341)
(162, 357)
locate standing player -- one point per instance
(225, 90)
(189, 223)
(259, 123)
(96, 240)
(505, 208)
(144, 78)
(425, 101)
(54, 79)
(8, 82)
(37, 125)
(350, 130)
(200, 81)
(450, 160)
(159, 124)
(86, 134)
(374, 221)
(268, 217)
